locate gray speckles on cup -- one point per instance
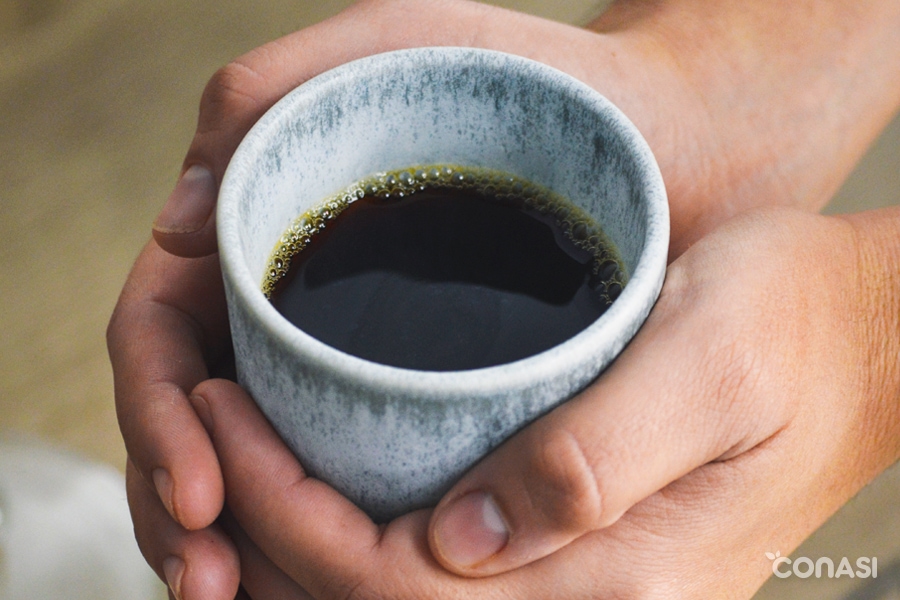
(391, 439)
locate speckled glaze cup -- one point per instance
(393, 439)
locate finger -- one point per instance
(169, 319)
(332, 553)
(581, 467)
(196, 565)
(236, 97)
(259, 576)
(319, 538)
(266, 488)
(186, 226)
(674, 543)
(238, 94)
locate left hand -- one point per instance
(725, 141)
(760, 395)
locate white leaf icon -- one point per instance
(771, 556)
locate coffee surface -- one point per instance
(445, 276)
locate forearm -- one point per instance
(793, 93)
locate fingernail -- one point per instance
(173, 568)
(471, 530)
(201, 407)
(190, 203)
(164, 486)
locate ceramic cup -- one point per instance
(394, 439)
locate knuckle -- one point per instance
(562, 486)
(232, 90)
(733, 373)
(738, 372)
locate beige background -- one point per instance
(97, 105)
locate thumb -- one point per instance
(233, 100)
(242, 91)
(650, 419)
(239, 94)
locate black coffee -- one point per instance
(444, 269)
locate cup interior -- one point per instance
(443, 106)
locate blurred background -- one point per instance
(98, 101)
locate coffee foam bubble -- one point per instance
(578, 227)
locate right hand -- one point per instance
(760, 395)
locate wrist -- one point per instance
(877, 295)
(777, 102)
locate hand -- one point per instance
(741, 107)
(169, 330)
(735, 423)
(170, 324)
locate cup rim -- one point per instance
(621, 319)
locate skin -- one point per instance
(762, 393)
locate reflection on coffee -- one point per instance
(444, 268)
